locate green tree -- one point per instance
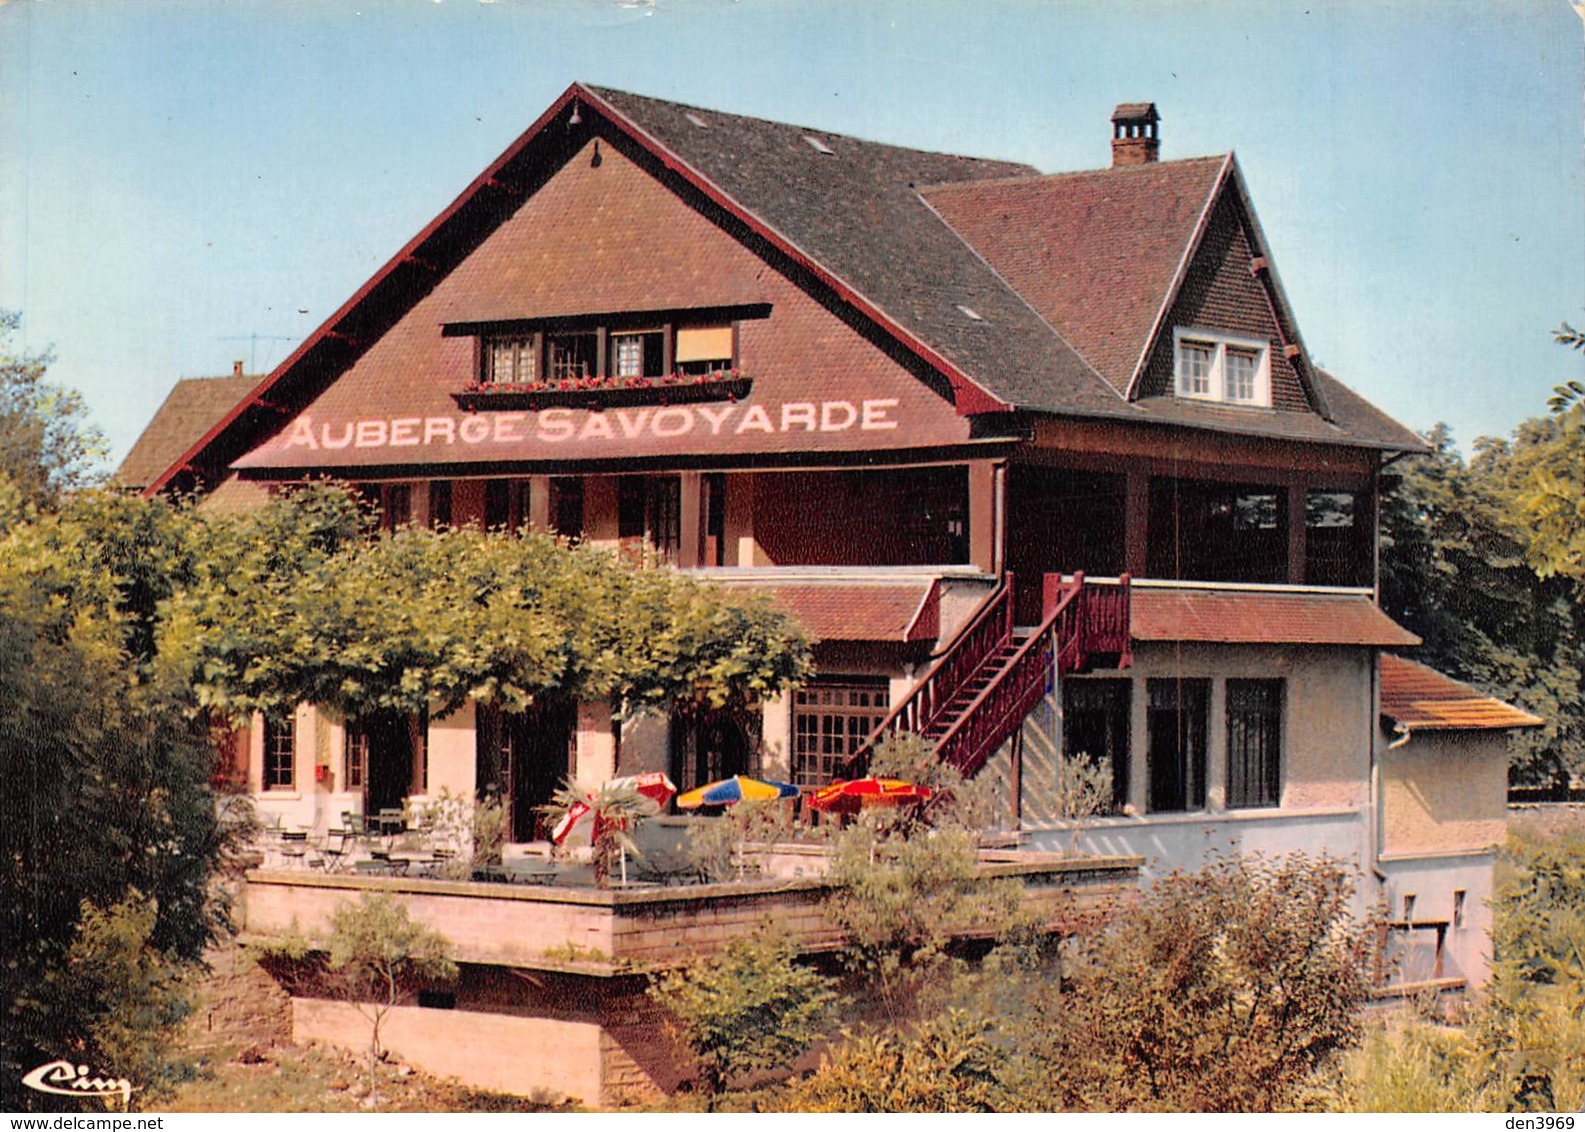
(378, 958)
(751, 1007)
(1454, 571)
(47, 446)
(295, 607)
(107, 826)
(1221, 991)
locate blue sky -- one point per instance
(188, 182)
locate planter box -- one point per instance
(603, 397)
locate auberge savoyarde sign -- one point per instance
(559, 434)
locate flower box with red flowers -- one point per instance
(605, 392)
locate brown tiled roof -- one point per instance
(853, 222)
(1421, 698)
(857, 212)
(189, 410)
(1095, 253)
(1248, 616)
(861, 611)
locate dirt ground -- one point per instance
(239, 1041)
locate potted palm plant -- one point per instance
(614, 808)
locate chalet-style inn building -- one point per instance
(897, 390)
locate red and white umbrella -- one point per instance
(655, 787)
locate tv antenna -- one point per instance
(253, 341)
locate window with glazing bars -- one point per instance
(830, 720)
(280, 753)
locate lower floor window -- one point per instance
(1095, 726)
(831, 718)
(1254, 743)
(1176, 731)
(280, 753)
(357, 756)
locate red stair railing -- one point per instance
(1001, 708)
(986, 633)
(1082, 621)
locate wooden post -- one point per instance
(690, 521)
(1298, 532)
(1136, 521)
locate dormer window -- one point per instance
(1216, 367)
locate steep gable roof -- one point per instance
(853, 207)
(844, 215)
(1097, 253)
(189, 410)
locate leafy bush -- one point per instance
(948, 1064)
(1220, 991)
(752, 1007)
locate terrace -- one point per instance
(571, 926)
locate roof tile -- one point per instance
(860, 611)
(1421, 698)
(190, 409)
(1249, 616)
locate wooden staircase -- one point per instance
(990, 677)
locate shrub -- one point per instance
(752, 1007)
(1222, 990)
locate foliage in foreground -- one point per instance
(1223, 991)
(1226, 990)
(753, 1007)
(1522, 1048)
(107, 827)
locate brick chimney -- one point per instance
(236, 369)
(1134, 140)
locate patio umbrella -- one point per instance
(852, 796)
(656, 788)
(738, 788)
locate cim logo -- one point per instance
(67, 1080)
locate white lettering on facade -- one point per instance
(632, 426)
(436, 428)
(302, 433)
(875, 414)
(800, 413)
(506, 427)
(556, 425)
(829, 420)
(683, 417)
(715, 418)
(756, 418)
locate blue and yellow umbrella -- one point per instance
(730, 791)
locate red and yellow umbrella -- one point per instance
(859, 793)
